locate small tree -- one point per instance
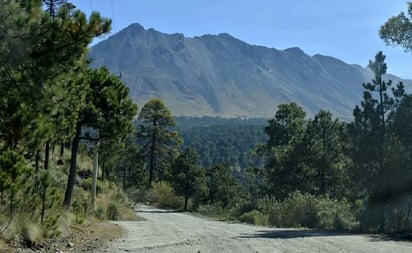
(187, 178)
(224, 188)
(130, 166)
(284, 152)
(325, 143)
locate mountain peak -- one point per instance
(135, 26)
(220, 75)
(295, 50)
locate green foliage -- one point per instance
(224, 189)
(213, 210)
(283, 151)
(100, 213)
(305, 210)
(51, 226)
(253, 217)
(106, 109)
(305, 155)
(380, 159)
(188, 179)
(162, 195)
(81, 203)
(396, 30)
(113, 212)
(15, 176)
(41, 104)
(227, 144)
(28, 218)
(37, 97)
(187, 123)
(101, 186)
(326, 145)
(130, 166)
(158, 138)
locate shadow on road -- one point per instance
(399, 237)
(292, 233)
(297, 233)
(158, 211)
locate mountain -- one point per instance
(219, 75)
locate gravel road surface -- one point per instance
(168, 231)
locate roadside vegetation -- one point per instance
(72, 143)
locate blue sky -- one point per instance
(345, 29)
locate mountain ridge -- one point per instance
(220, 75)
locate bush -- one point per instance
(337, 215)
(162, 195)
(136, 195)
(214, 210)
(113, 212)
(253, 217)
(300, 210)
(100, 213)
(305, 210)
(81, 202)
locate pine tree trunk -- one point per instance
(43, 205)
(186, 201)
(47, 155)
(36, 178)
(152, 160)
(124, 178)
(103, 171)
(37, 161)
(73, 165)
(61, 150)
(94, 179)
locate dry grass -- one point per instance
(3, 246)
(87, 236)
(91, 236)
(128, 214)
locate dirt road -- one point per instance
(165, 231)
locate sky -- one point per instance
(344, 29)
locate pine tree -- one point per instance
(187, 177)
(284, 152)
(372, 141)
(107, 109)
(158, 137)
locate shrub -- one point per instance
(81, 202)
(162, 194)
(100, 213)
(305, 210)
(137, 195)
(253, 217)
(31, 234)
(112, 212)
(214, 210)
(51, 226)
(300, 210)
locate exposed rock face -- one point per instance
(219, 75)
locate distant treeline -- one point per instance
(184, 123)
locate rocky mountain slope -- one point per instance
(219, 75)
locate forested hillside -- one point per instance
(223, 141)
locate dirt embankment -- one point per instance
(166, 231)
